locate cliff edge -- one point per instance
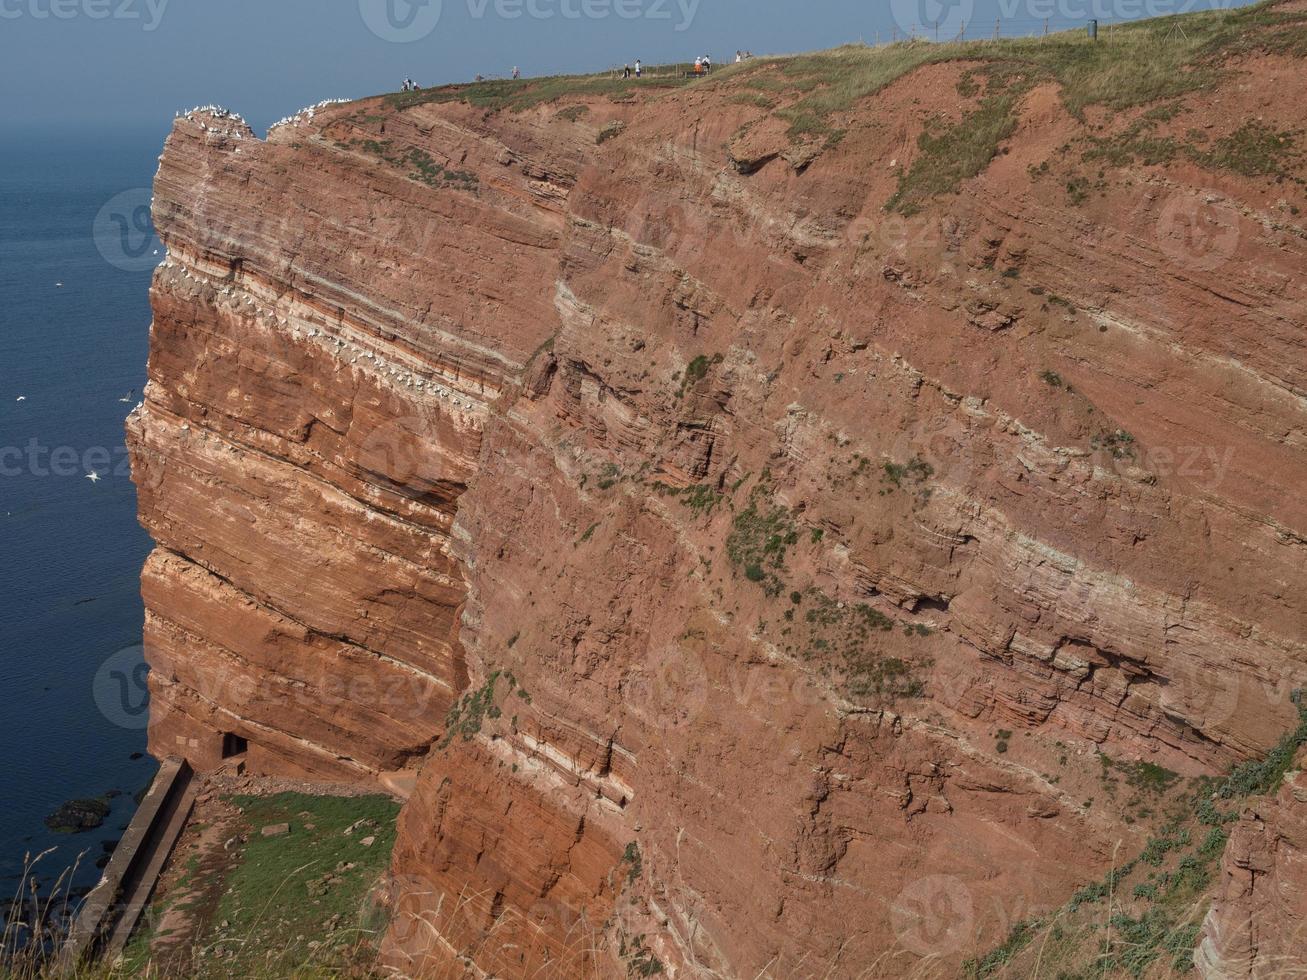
(804, 522)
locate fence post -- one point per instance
(997, 24)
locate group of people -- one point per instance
(412, 86)
(702, 66)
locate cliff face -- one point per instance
(739, 574)
(1256, 925)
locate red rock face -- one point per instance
(1256, 924)
(752, 577)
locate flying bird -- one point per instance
(22, 398)
(127, 398)
(93, 476)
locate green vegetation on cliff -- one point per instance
(1131, 66)
(294, 904)
(1144, 917)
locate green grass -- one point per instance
(466, 716)
(1136, 144)
(1253, 150)
(420, 164)
(698, 369)
(573, 113)
(961, 150)
(282, 894)
(611, 131)
(761, 536)
(1158, 899)
(701, 499)
(519, 95)
(291, 886)
(915, 471)
(1119, 443)
(1132, 65)
(1150, 62)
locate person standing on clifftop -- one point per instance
(516, 72)
(639, 70)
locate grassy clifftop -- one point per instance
(1150, 63)
(1132, 64)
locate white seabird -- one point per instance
(22, 398)
(93, 476)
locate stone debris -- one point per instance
(276, 830)
(366, 823)
(320, 886)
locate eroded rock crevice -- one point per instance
(719, 561)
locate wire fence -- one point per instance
(1001, 28)
(941, 31)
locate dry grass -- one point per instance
(1132, 64)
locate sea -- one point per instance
(76, 256)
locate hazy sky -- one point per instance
(74, 63)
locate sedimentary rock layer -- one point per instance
(755, 579)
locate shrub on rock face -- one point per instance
(77, 816)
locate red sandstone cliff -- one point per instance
(1258, 925)
(748, 577)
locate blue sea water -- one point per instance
(72, 210)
